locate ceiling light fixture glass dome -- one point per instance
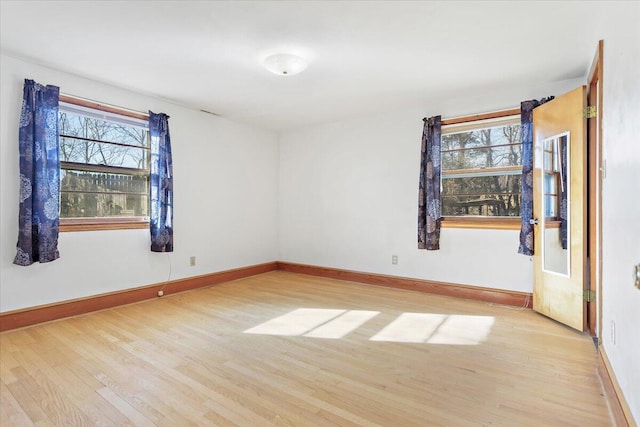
(285, 64)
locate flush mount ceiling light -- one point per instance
(285, 64)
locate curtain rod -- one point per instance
(71, 99)
(484, 116)
(476, 117)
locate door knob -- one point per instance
(533, 221)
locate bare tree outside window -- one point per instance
(104, 167)
(481, 171)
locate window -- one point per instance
(482, 167)
(104, 162)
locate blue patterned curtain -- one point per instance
(429, 197)
(526, 212)
(39, 210)
(161, 184)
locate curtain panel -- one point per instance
(39, 202)
(429, 187)
(161, 184)
(526, 211)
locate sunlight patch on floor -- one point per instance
(430, 328)
(296, 322)
(410, 327)
(463, 330)
(343, 324)
(452, 329)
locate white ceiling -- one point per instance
(364, 56)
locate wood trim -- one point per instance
(44, 313)
(594, 130)
(596, 63)
(498, 296)
(87, 167)
(618, 406)
(482, 222)
(552, 223)
(94, 224)
(103, 107)
(476, 117)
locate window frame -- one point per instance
(103, 223)
(481, 222)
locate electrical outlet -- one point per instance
(394, 259)
(192, 261)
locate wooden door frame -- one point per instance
(594, 195)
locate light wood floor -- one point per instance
(287, 349)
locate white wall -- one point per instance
(348, 198)
(225, 201)
(621, 197)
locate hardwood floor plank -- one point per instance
(129, 412)
(282, 349)
(10, 411)
(20, 390)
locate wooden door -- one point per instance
(559, 132)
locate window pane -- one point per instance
(482, 137)
(455, 141)
(71, 180)
(112, 153)
(505, 156)
(488, 195)
(485, 157)
(91, 128)
(485, 205)
(91, 194)
(547, 160)
(550, 185)
(482, 185)
(476, 151)
(96, 153)
(550, 206)
(91, 205)
(482, 148)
